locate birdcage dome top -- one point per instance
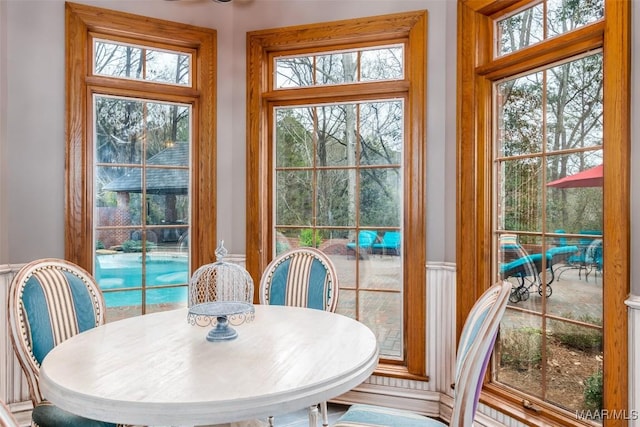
(220, 281)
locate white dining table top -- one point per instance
(157, 369)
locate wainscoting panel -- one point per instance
(633, 302)
(13, 389)
(441, 326)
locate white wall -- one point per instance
(4, 254)
(32, 68)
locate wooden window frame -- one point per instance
(477, 69)
(261, 45)
(81, 23)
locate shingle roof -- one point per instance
(159, 181)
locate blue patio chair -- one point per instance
(474, 351)
(303, 277)
(51, 300)
(593, 258)
(390, 244)
(366, 239)
(582, 259)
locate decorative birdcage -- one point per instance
(220, 281)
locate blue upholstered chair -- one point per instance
(302, 277)
(51, 300)
(6, 417)
(474, 351)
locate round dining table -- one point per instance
(158, 369)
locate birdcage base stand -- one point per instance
(222, 331)
(220, 315)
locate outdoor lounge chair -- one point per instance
(389, 245)
(527, 268)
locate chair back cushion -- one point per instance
(474, 351)
(301, 278)
(50, 300)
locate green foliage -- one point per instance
(99, 244)
(136, 246)
(308, 238)
(593, 392)
(107, 199)
(382, 200)
(155, 209)
(521, 348)
(579, 337)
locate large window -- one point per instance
(140, 155)
(336, 163)
(544, 146)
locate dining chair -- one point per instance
(474, 350)
(6, 417)
(303, 277)
(51, 300)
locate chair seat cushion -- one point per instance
(370, 415)
(48, 415)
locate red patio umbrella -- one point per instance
(587, 178)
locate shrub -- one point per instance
(136, 246)
(579, 337)
(521, 348)
(309, 238)
(593, 392)
(99, 244)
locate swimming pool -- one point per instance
(124, 270)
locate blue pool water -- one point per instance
(124, 270)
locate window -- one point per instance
(141, 158)
(336, 161)
(544, 143)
